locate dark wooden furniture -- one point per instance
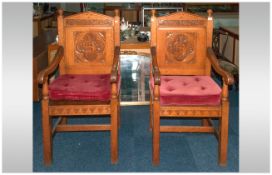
(133, 43)
(89, 78)
(40, 58)
(52, 50)
(41, 22)
(217, 7)
(180, 84)
(232, 32)
(130, 14)
(225, 62)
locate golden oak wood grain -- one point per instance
(88, 43)
(181, 45)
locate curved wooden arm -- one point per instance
(43, 75)
(155, 71)
(227, 77)
(115, 65)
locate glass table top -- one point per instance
(135, 71)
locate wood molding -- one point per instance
(179, 23)
(79, 110)
(96, 22)
(168, 112)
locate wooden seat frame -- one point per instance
(63, 109)
(183, 21)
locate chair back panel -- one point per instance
(88, 39)
(181, 42)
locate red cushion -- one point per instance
(188, 90)
(81, 87)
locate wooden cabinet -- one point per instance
(130, 14)
(216, 7)
(42, 22)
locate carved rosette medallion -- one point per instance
(89, 47)
(180, 47)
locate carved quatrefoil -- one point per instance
(89, 47)
(180, 47)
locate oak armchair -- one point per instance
(89, 78)
(180, 82)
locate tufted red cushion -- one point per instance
(188, 90)
(81, 87)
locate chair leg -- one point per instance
(223, 138)
(47, 134)
(114, 131)
(63, 120)
(156, 134)
(205, 122)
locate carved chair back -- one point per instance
(89, 39)
(181, 40)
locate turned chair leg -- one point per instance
(47, 134)
(156, 134)
(223, 137)
(114, 132)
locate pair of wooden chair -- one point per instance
(89, 78)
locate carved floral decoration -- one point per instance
(89, 47)
(180, 47)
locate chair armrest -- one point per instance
(155, 68)
(43, 75)
(115, 65)
(227, 77)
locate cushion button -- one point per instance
(167, 79)
(170, 89)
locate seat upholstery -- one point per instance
(188, 90)
(81, 87)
